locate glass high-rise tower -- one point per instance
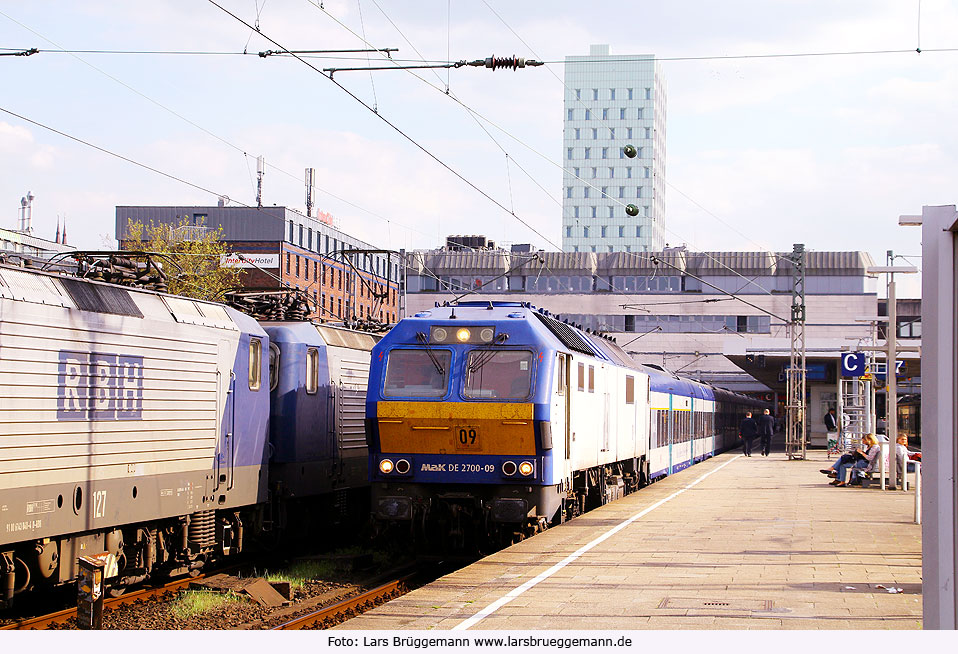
(612, 101)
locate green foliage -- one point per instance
(191, 257)
(196, 602)
(302, 571)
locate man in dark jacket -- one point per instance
(766, 427)
(831, 422)
(746, 431)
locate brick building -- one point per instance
(283, 247)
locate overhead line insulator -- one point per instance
(512, 62)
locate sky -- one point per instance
(762, 152)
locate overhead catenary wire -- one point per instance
(447, 92)
(656, 261)
(111, 153)
(219, 138)
(398, 130)
(438, 62)
(312, 54)
(362, 24)
(666, 59)
(265, 210)
(614, 200)
(590, 185)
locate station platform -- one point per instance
(733, 542)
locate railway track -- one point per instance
(400, 582)
(350, 607)
(59, 617)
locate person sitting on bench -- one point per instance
(864, 460)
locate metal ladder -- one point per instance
(854, 413)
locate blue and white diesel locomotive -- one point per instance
(161, 429)
(489, 421)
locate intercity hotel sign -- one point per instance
(249, 260)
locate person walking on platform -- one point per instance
(831, 427)
(766, 427)
(746, 431)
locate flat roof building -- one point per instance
(282, 246)
(674, 310)
(612, 101)
(23, 245)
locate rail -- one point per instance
(59, 617)
(350, 607)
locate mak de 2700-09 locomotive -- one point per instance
(489, 421)
(165, 430)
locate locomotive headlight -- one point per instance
(463, 335)
(508, 468)
(439, 335)
(487, 334)
(402, 466)
(526, 468)
(385, 466)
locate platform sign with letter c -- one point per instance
(853, 364)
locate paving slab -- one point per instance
(736, 543)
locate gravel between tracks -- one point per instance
(157, 613)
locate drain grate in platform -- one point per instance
(724, 605)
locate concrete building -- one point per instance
(676, 313)
(284, 247)
(20, 245)
(612, 101)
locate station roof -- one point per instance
(672, 261)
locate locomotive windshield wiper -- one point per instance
(425, 343)
(486, 356)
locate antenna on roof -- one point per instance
(310, 186)
(260, 171)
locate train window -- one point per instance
(273, 366)
(581, 384)
(312, 370)
(561, 364)
(255, 363)
(629, 389)
(417, 373)
(498, 374)
(592, 379)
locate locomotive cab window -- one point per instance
(312, 370)
(417, 373)
(629, 389)
(273, 366)
(255, 363)
(498, 374)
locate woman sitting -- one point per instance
(865, 460)
(904, 456)
(832, 471)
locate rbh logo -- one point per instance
(95, 386)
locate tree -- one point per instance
(191, 256)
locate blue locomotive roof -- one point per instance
(523, 323)
(527, 325)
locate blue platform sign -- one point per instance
(853, 364)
